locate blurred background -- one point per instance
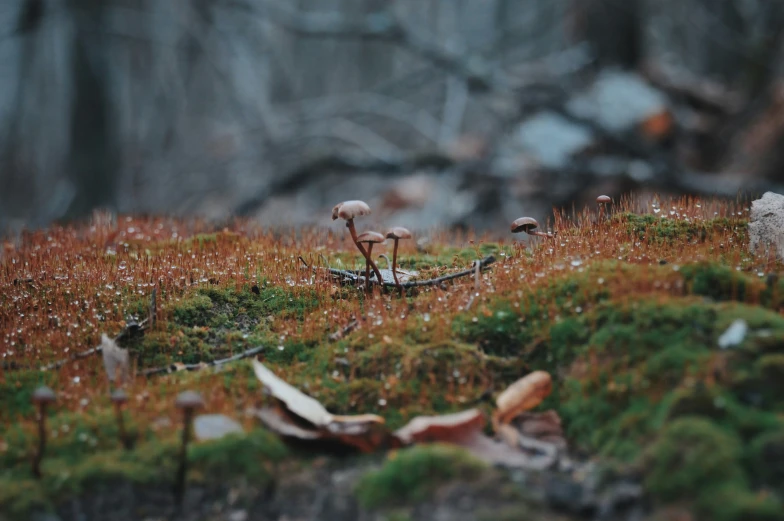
(457, 113)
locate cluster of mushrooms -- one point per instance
(348, 211)
(187, 401)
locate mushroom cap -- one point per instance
(44, 395)
(373, 237)
(189, 400)
(348, 210)
(603, 199)
(119, 396)
(524, 224)
(398, 232)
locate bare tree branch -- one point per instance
(385, 26)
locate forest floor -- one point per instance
(663, 334)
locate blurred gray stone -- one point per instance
(551, 140)
(734, 335)
(618, 101)
(215, 426)
(766, 224)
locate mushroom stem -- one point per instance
(367, 267)
(394, 268)
(124, 439)
(353, 231)
(39, 455)
(179, 491)
(368, 258)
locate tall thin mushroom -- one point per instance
(42, 397)
(188, 402)
(603, 201)
(397, 233)
(370, 238)
(348, 211)
(119, 398)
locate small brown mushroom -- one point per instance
(119, 398)
(603, 201)
(529, 225)
(42, 397)
(397, 233)
(188, 402)
(348, 211)
(370, 238)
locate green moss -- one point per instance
(766, 459)
(217, 322)
(512, 324)
(769, 371)
(656, 228)
(72, 472)
(411, 475)
(16, 390)
(240, 455)
(690, 455)
(716, 281)
(643, 363)
(694, 459)
(19, 498)
(68, 474)
(729, 502)
(193, 311)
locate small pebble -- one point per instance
(734, 335)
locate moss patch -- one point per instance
(411, 475)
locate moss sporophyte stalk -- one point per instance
(624, 312)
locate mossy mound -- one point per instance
(624, 312)
(411, 475)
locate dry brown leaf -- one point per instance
(526, 393)
(499, 453)
(297, 402)
(362, 436)
(279, 424)
(508, 434)
(447, 427)
(115, 360)
(544, 426)
(365, 432)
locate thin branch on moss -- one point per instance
(173, 368)
(384, 25)
(132, 328)
(354, 277)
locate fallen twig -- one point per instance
(354, 276)
(176, 367)
(348, 328)
(131, 328)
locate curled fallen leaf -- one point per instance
(307, 408)
(543, 426)
(365, 432)
(279, 424)
(447, 427)
(115, 360)
(523, 395)
(499, 453)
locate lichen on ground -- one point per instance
(625, 312)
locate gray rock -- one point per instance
(734, 335)
(766, 224)
(618, 101)
(214, 426)
(551, 140)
